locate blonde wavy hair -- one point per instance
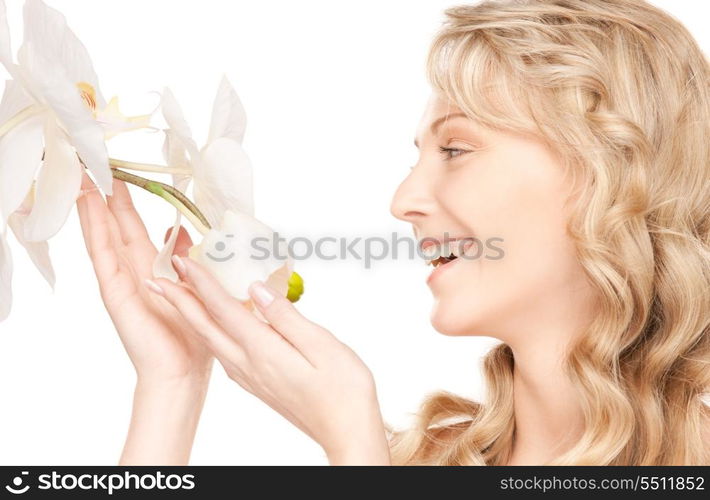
(621, 90)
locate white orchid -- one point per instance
(230, 255)
(53, 103)
(52, 114)
(54, 121)
(37, 250)
(223, 193)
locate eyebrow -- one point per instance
(436, 123)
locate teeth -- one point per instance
(447, 249)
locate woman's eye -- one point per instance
(450, 153)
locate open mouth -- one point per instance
(440, 254)
(442, 260)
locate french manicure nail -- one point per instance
(84, 192)
(179, 266)
(153, 287)
(261, 294)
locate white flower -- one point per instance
(51, 111)
(243, 250)
(223, 192)
(37, 250)
(53, 103)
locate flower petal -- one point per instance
(176, 121)
(114, 122)
(162, 267)
(37, 250)
(241, 251)
(58, 185)
(6, 47)
(5, 277)
(51, 83)
(20, 156)
(223, 180)
(177, 140)
(5, 44)
(174, 151)
(228, 116)
(14, 100)
(46, 29)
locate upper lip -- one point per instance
(428, 241)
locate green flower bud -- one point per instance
(295, 287)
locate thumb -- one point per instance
(306, 336)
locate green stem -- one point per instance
(147, 167)
(170, 194)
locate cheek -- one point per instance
(474, 298)
(517, 195)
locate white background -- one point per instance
(333, 93)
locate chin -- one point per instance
(451, 322)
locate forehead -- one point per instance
(440, 105)
(436, 107)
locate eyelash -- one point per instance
(447, 152)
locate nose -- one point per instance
(413, 198)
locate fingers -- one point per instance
(225, 309)
(308, 337)
(197, 316)
(247, 365)
(285, 321)
(131, 230)
(130, 224)
(94, 218)
(183, 242)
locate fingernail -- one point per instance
(153, 287)
(260, 294)
(84, 192)
(179, 266)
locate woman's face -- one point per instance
(507, 191)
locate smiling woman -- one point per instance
(560, 199)
(574, 132)
(577, 132)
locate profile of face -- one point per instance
(506, 194)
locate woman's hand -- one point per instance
(295, 366)
(172, 363)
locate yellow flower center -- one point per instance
(88, 94)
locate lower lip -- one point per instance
(441, 268)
